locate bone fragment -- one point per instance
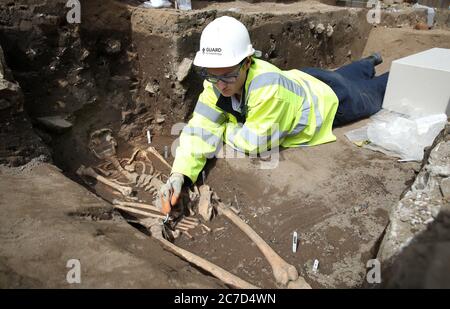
(153, 151)
(204, 205)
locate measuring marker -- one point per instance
(316, 265)
(149, 138)
(294, 242)
(166, 152)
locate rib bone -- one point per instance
(83, 171)
(139, 205)
(139, 212)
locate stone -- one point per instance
(329, 30)
(85, 53)
(421, 26)
(4, 104)
(55, 123)
(113, 46)
(445, 188)
(62, 83)
(183, 69)
(418, 212)
(60, 104)
(7, 86)
(25, 25)
(31, 53)
(320, 28)
(152, 88)
(127, 117)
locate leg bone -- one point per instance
(213, 269)
(284, 273)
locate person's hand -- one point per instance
(170, 192)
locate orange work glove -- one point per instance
(170, 192)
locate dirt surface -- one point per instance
(47, 219)
(402, 42)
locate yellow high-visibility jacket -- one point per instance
(287, 108)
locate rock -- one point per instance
(31, 53)
(160, 120)
(311, 25)
(8, 87)
(418, 213)
(3, 66)
(127, 116)
(11, 95)
(152, 88)
(85, 53)
(60, 104)
(55, 123)
(445, 188)
(131, 55)
(25, 25)
(421, 26)
(440, 160)
(4, 104)
(183, 69)
(329, 30)
(320, 28)
(113, 46)
(62, 83)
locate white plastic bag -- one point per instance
(157, 4)
(399, 135)
(184, 5)
(406, 137)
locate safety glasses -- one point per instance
(227, 79)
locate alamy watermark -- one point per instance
(74, 14)
(74, 273)
(374, 14)
(374, 273)
(265, 147)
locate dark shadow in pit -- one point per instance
(79, 72)
(424, 263)
(93, 213)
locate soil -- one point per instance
(402, 42)
(46, 220)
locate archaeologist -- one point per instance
(253, 106)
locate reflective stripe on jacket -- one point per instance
(287, 108)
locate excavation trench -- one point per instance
(120, 69)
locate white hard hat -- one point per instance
(224, 43)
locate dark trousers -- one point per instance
(360, 93)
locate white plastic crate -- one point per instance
(420, 84)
